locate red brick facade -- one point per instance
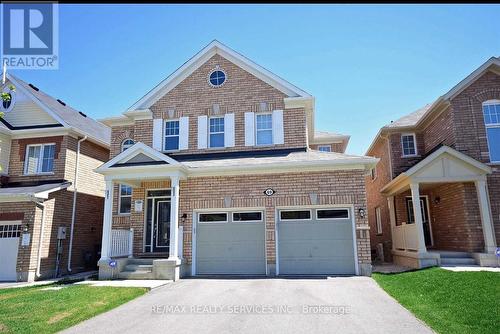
(454, 208)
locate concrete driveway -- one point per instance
(334, 305)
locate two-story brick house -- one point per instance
(48, 152)
(442, 163)
(219, 170)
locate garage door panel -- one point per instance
(316, 247)
(234, 248)
(8, 250)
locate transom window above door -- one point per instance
(409, 144)
(264, 129)
(39, 158)
(491, 113)
(216, 132)
(171, 135)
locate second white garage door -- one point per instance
(316, 242)
(230, 243)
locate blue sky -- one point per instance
(365, 64)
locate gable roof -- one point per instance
(65, 114)
(215, 47)
(417, 117)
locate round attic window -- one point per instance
(217, 78)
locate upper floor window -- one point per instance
(378, 220)
(127, 143)
(325, 148)
(217, 78)
(216, 132)
(171, 136)
(264, 129)
(491, 112)
(125, 201)
(39, 158)
(409, 144)
(373, 173)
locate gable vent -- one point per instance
(34, 87)
(61, 102)
(82, 114)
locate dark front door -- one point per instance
(425, 217)
(161, 225)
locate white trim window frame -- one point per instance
(378, 220)
(126, 144)
(405, 145)
(491, 115)
(121, 196)
(263, 127)
(333, 209)
(296, 210)
(172, 132)
(213, 221)
(247, 221)
(41, 158)
(325, 148)
(216, 129)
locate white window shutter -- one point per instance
(249, 129)
(229, 130)
(183, 133)
(202, 131)
(278, 131)
(158, 134)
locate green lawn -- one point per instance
(34, 310)
(449, 302)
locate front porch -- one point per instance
(440, 213)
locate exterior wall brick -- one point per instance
(293, 189)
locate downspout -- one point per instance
(40, 239)
(75, 192)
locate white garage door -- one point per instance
(230, 243)
(316, 242)
(9, 244)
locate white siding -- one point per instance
(249, 129)
(27, 113)
(202, 132)
(278, 132)
(158, 134)
(229, 130)
(183, 133)
(4, 153)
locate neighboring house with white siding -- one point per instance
(48, 151)
(219, 170)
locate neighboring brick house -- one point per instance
(448, 155)
(215, 171)
(44, 144)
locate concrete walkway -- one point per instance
(336, 305)
(471, 268)
(129, 283)
(73, 277)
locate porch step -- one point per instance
(136, 275)
(451, 254)
(457, 261)
(140, 261)
(139, 267)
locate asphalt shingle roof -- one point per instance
(410, 119)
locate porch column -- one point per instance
(417, 211)
(392, 216)
(107, 222)
(174, 219)
(486, 221)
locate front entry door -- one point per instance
(425, 217)
(161, 225)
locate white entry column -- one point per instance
(486, 221)
(174, 219)
(107, 222)
(417, 212)
(392, 217)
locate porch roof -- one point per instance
(30, 193)
(442, 166)
(145, 162)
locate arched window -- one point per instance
(127, 143)
(491, 113)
